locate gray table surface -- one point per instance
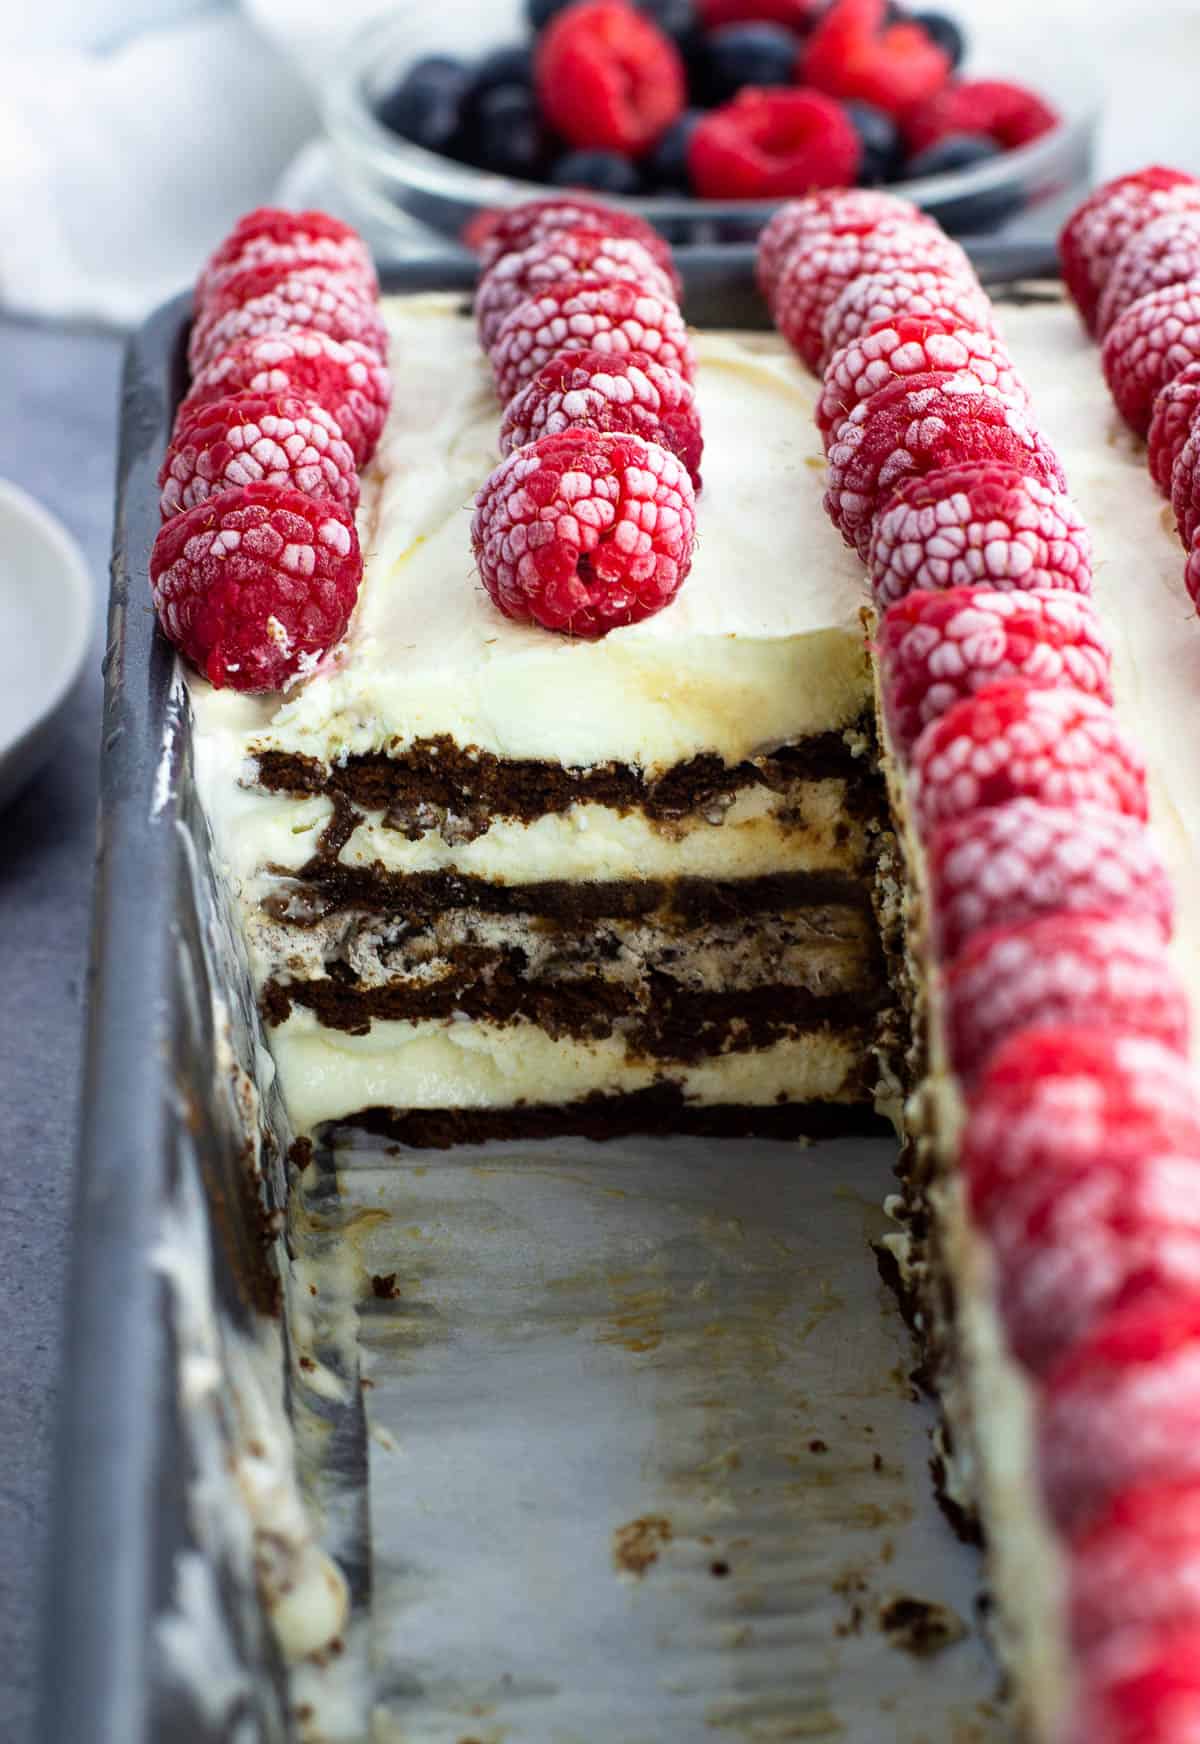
(58, 418)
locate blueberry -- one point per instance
(427, 105)
(945, 32)
(608, 171)
(540, 12)
(744, 54)
(972, 213)
(507, 135)
(504, 66)
(666, 166)
(882, 145)
(677, 19)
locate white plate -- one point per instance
(45, 624)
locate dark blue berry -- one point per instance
(666, 166)
(677, 19)
(504, 66)
(970, 214)
(540, 12)
(744, 54)
(611, 172)
(882, 145)
(427, 105)
(507, 135)
(945, 32)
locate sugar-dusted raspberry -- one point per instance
(921, 424)
(911, 345)
(768, 143)
(1191, 573)
(1017, 740)
(535, 220)
(1098, 230)
(1137, 1562)
(1006, 866)
(936, 646)
(312, 298)
(821, 265)
(1165, 252)
(874, 300)
(1147, 346)
(286, 242)
(863, 50)
(1009, 114)
(589, 315)
(1104, 971)
(1122, 1405)
(834, 211)
(280, 439)
(256, 585)
(582, 532)
(1143, 1687)
(608, 78)
(599, 390)
(572, 254)
(1185, 488)
(982, 524)
(1175, 408)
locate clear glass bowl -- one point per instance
(399, 182)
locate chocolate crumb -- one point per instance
(818, 1446)
(384, 1286)
(920, 1626)
(635, 1546)
(719, 1569)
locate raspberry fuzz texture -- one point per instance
(256, 303)
(1098, 230)
(582, 315)
(877, 300)
(1147, 346)
(536, 220)
(1165, 252)
(571, 254)
(1171, 421)
(1138, 1560)
(285, 242)
(911, 345)
(582, 531)
(835, 211)
(278, 439)
(1142, 1688)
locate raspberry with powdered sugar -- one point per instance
(877, 299)
(1141, 1688)
(1137, 1562)
(1097, 231)
(1147, 346)
(278, 439)
(911, 345)
(834, 211)
(588, 315)
(284, 242)
(567, 255)
(263, 303)
(1165, 252)
(535, 220)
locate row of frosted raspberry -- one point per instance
(257, 568)
(1048, 913)
(1131, 260)
(588, 524)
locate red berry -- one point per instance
(1006, 866)
(1017, 740)
(1164, 252)
(607, 77)
(1122, 1405)
(1098, 230)
(571, 254)
(582, 532)
(1085, 970)
(285, 242)
(876, 300)
(1170, 424)
(794, 15)
(911, 345)
(982, 524)
(599, 390)
(921, 424)
(1191, 573)
(1143, 1688)
(769, 143)
(833, 211)
(1137, 1562)
(535, 220)
(821, 265)
(1185, 488)
(311, 298)
(936, 647)
(278, 439)
(256, 585)
(854, 53)
(1008, 114)
(589, 315)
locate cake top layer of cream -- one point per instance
(761, 645)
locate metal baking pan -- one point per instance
(644, 1459)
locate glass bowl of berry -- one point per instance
(703, 115)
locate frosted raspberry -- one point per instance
(312, 298)
(535, 220)
(920, 424)
(1165, 252)
(1137, 1562)
(1006, 866)
(911, 345)
(255, 585)
(1170, 424)
(1106, 971)
(1122, 1406)
(1141, 1688)
(582, 315)
(269, 237)
(1185, 489)
(583, 532)
(1147, 346)
(1191, 573)
(346, 378)
(1097, 231)
(1016, 740)
(835, 211)
(981, 523)
(821, 265)
(571, 254)
(874, 300)
(599, 390)
(936, 647)
(278, 439)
